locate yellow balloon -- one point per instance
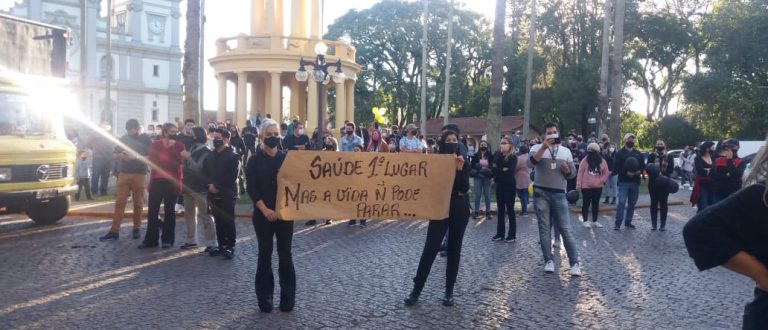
(530, 190)
(375, 111)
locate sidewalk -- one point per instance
(105, 209)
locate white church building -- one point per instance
(146, 56)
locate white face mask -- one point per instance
(612, 149)
(552, 136)
(301, 131)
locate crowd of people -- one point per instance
(207, 167)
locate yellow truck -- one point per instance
(36, 158)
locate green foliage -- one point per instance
(731, 98)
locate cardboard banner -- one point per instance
(320, 185)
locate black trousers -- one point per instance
(265, 280)
(100, 175)
(756, 312)
(161, 191)
(223, 210)
(505, 201)
(83, 184)
(591, 198)
(455, 225)
(659, 200)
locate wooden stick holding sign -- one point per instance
(359, 185)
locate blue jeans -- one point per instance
(482, 189)
(552, 208)
(522, 194)
(706, 198)
(610, 186)
(628, 194)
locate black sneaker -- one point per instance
(509, 239)
(497, 238)
(351, 223)
(187, 246)
(136, 234)
(209, 248)
(110, 236)
(167, 245)
(146, 246)
(630, 226)
(228, 254)
(653, 228)
(310, 223)
(327, 222)
(663, 229)
(363, 223)
(215, 251)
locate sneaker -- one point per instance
(363, 223)
(524, 214)
(215, 251)
(497, 238)
(630, 226)
(187, 246)
(653, 228)
(587, 224)
(110, 236)
(509, 239)
(596, 225)
(310, 223)
(228, 254)
(351, 223)
(576, 269)
(556, 244)
(617, 228)
(179, 208)
(209, 248)
(327, 222)
(166, 245)
(549, 267)
(475, 215)
(662, 229)
(136, 234)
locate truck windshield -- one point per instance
(18, 117)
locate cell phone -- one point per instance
(376, 125)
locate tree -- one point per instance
(191, 69)
(617, 79)
(391, 58)
(730, 99)
(497, 73)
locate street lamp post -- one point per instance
(321, 76)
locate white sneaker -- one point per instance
(587, 224)
(576, 269)
(597, 225)
(549, 267)
(179, 208)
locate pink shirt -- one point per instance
(522, 172)
(587, 179)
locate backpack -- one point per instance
(198, 156)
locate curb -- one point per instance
(128, 215)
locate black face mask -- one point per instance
(349, 132)
(629, 145)
(449, 148)
(272, 141)
(483, 148)
(217, 143)
(659, 149)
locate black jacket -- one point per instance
(475, 162)
(221, 169)
(610, 160)
(261, 176)
(504, 169)
(194, 180)
(138, 144)
(666, 163)
(726, 175)
(620, 162)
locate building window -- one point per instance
(107, 66)
(155, 111)
(155, 70)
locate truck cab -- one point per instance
(36, 158)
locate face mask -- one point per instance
(349, 132)
(483, 148)
(218, 143)
(272, 141)
(449, 148)
(659, 148)
(376, 138)
(553, 136)
(301, 131)
(630, 145)
(612, 149)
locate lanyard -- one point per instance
(553, 152)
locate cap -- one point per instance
(731, 143)
(593, 147)
(628, 135)
(411, 126)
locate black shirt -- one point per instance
(504, 169)
(261, 176)
(138, 144)
(291, 141)
(620, 163)
(738, 223)
(249, 136)
(221, 169)
(703, 169)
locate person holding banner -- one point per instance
(455, 225)
(261, 174)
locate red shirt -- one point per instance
(166, 162)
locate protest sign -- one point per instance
(360, 185)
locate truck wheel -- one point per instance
(48, 211)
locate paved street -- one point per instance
(63, 277)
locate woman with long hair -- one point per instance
(377, 143)
(703, 194)
(732, 234)
(165, 156)
(523, 179)
(261, 174)
(592, 175)
(611, 188)
(454, 225)
(481, 166)
(504, 166)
